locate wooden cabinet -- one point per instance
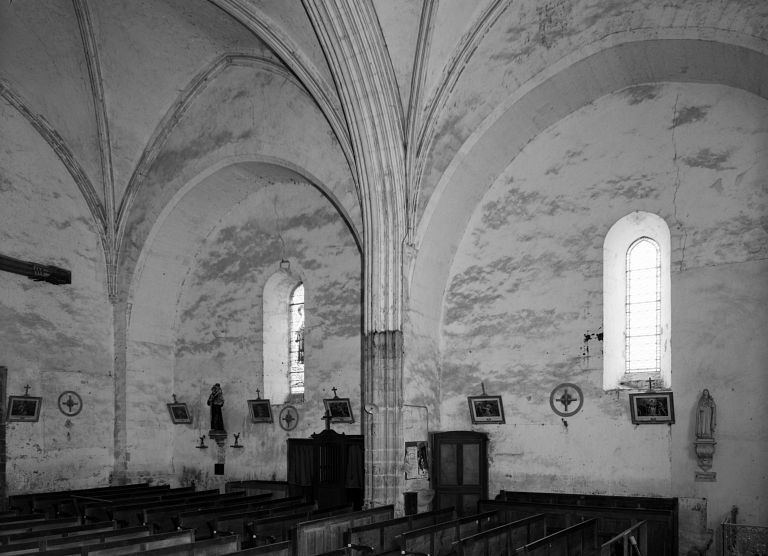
(327, 468)
(459, 470)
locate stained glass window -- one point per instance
(296, 344)
(643, 307)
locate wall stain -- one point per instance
(689, 115)
(641, 93)
(706, 158)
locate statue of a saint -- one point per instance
(706, 419)
(216, 401)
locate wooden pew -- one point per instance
(58, 543)
(320, 535)
(70, 531)
(23, 503)
(503, 540)
(37, 525)
(277, 549)
(610, 520)
(438, 539)
(63, 504)
(233, 523)
(383, 536)
(623, 544)
(207, 547)
(165, 517)
(202, 521)
(279, 489)
(576, 540)
(127, 514)
(274, 525)
(99, 508)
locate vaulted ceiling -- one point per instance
(105, 82)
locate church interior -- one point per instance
(414, 225)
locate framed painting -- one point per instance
(339, 410)
(179, 413)
(24, 408)
(486, 409)
(260, 411)
(652, 408)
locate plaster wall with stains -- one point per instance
(52, 338)
(523, 302)
(219, 324)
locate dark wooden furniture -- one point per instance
(612, 519)
(327, 468)
(321, 535)
(384, 536)
(577, 540)
(503, 540)
(459, 470)
(438, 539)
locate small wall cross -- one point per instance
(334, 392)
(26, 390)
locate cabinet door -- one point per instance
(460, 470)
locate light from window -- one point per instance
(643, 307)
(296, 343)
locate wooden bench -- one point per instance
(57, 543)
(610, 520)
(230, 523)
(279, 489)
(384, 536)
(207, 547)
(23, 503)
(72, 530)
(503, 540)
(65, 504)
(202, 521)
(37, 525)
(438, 539)
(320, 535)
(623, 543)
(165, 517)
(100, 508)
(277, 549)
(127, 514)
(576, 540)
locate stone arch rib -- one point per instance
(56, 142)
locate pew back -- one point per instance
(438, 539)
(503, 540)
(385, 535)
(277, 549)
(321, 535)
(576, 540)
(610, 520)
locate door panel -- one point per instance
(460, 470)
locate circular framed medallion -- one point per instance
(289, 418)
(566, 399)
(70, 403)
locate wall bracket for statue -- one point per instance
(706, 422)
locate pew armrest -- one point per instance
(362, 548)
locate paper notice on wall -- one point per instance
(416, 463)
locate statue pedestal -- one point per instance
(219, 436)
(705, 452)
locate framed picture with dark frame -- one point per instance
(339, 410)
(486, 409)
(260, 411)
(652, 408)
(179, 413)
(24, 408)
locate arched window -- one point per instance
(637, 302)
(643, 307)
(296, 344)
(283, 338)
